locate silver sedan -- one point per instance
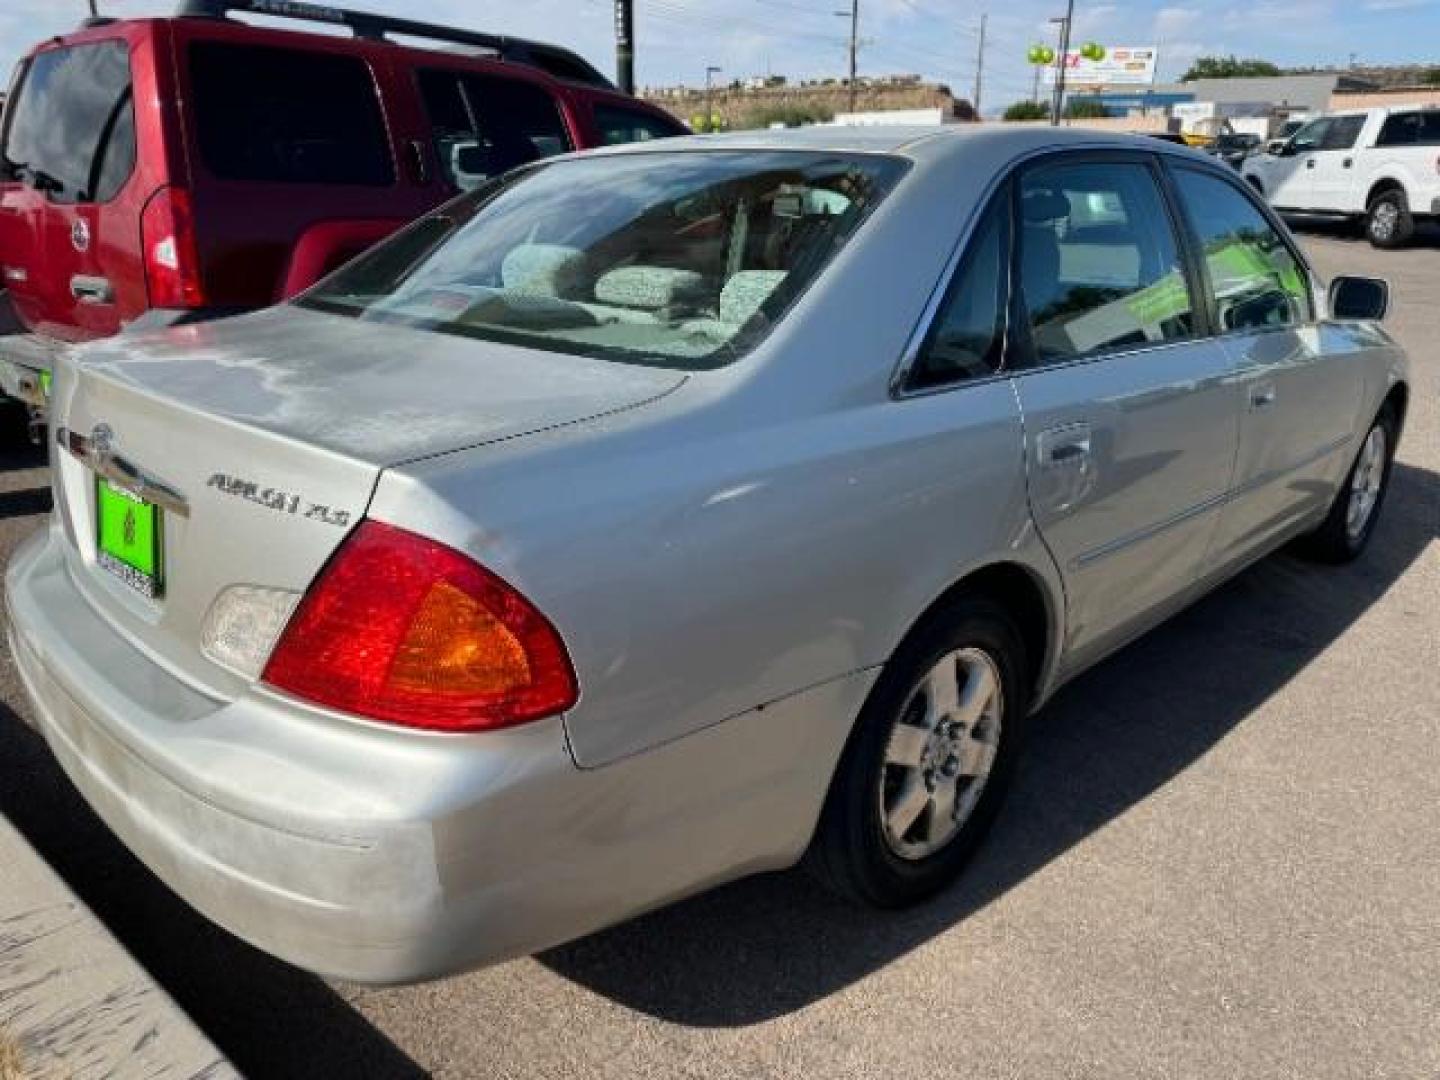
(649, 518)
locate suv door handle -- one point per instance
(91, 290)
(1066, 446)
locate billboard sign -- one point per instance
(1121, 65)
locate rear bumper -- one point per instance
(385, 856)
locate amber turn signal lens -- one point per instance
(407, 630)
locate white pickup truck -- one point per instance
(1379, 166)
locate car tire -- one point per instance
(1348, 526)
(1388, 221)
(905, 761)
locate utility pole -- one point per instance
(980, 64)
(1062, 60)
(625, 45)
(854, 16)
(710, 72)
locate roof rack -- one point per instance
(552, 59)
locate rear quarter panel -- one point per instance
(766, 528)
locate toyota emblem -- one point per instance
(80, 234)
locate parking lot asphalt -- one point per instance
(1222, 858)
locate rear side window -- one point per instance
(1100, 265)
(966, 339)
(1343, 132)
(619, 125)
(70, 129)
(283, 116)
(1255, 278)
(484, 126)
(1411, 129)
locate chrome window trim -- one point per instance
(1318, 312)
(1157, 156)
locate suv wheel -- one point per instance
(929, 761)
(1388, 223)
(1347, 528)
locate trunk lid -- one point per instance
(261, 440)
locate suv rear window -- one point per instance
(71, 128)
(619, 125)
(1411, 129)
(484, 126)
(284, 116)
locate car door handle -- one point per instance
(91, 290)
(1066, 446)
(1262, 397)
(1310, 163)
(1348, 162)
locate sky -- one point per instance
(677, 39)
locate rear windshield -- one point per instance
(1411, 129)
(673, 259)
(70, 130)
(285, 116)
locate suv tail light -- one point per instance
(167, 238)
(406, 630)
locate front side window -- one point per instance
(680, 260)
(286, 116)
(1100, 265)
(1311, 136)
(1256, 280)
(619, 125)
(1343, 132)
(71, 126)
(1411, 129)
(484, 126)
(967, 337)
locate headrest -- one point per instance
(745, 292)
(649, 288)
(1039, 207)
(542, 269)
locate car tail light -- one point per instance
(167, 238)
(406, 630)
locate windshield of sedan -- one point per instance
(680, 260)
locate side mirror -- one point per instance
(1359, 298)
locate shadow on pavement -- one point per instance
(761, 948)
(270, 1019)
(1427, 234)
(23, 502)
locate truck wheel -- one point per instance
(1388, 223)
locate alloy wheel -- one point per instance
(1365, 483)
(941, 751)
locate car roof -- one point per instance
(915, 142)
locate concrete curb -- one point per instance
(72, 1000)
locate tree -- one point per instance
(1084, 109)
(1027, 110)
(1432, 77)
(1228, 67)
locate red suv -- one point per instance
(170, 169)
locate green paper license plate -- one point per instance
(128, 534)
